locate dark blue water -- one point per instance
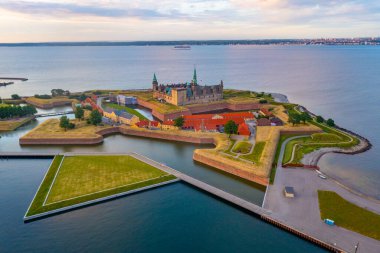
(337, 82)
(341, 82)
(175, 218)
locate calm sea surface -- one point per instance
(338, 82)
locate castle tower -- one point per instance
(155, 83)
(194, 81)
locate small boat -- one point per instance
(182, 47)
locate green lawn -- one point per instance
(277, 156)
(228, 151)
(256, 153)
(84, 178)
(347, 215)
(242, 147)
(331, 137)
(127, 109)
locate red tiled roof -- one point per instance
(243, 129)
(145, 123)
(266, 112)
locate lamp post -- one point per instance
(356, 247)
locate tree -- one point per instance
(82, 97)
(294, 118)
(178, 122)
(230, 127)
(263, 101)
(330, 122)
(59, 92)
(15, 96)
(95, 117)
(305, 117)
(320, 119)
(64, 122)
(71, 126)
(79, 113)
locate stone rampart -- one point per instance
(202, 158)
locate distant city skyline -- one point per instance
(116, 20)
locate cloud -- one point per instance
(64, 9)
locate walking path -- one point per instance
(302, 212)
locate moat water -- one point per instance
(337, 82)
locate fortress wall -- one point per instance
(210, 161)
(50, 105)
(61, 141)
(166, 136)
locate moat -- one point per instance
(173, 205)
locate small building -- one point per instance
(289, 192)
(265, 112)
(276, 121)
(263, 122)
(127, 118)
(243, 129)
(126, 100)
(119, 116)
(148, 124)
(169, 125)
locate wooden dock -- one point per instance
(14, 78)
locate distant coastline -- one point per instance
(323, 41)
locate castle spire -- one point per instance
(195, 77)
(154, 78)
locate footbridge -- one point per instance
(53, 114)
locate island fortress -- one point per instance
(187, 93)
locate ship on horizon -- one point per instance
(182, 47)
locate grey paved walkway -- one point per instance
(302, 212)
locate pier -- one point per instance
(14, 78)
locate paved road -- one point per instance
(302, 212)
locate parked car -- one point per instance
(322, 176)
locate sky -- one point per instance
(132, 20)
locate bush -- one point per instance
(71, 126)
(178, 122)
(95, 117)
(45, 96)
(320, 119)
(263, 101)
(15, 96)
(330, 122)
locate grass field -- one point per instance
(76, 179)
(232, 143)
(331, 137)
(242, 147)
(51, 129)
(127, 109)
(256, 153)
(12, 124)
(34, 100)
(347, 215)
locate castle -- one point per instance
(187, 93)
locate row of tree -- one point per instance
(13, 111)
(329, 122)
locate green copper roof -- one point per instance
(195, 76)
(154, 77)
